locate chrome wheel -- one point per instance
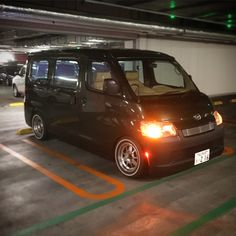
(38, 127)
(128, 157)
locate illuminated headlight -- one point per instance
(157, 130)
(218, 118)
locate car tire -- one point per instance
(39, 127)
(129, 158)
(15, 91)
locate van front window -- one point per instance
(150, 77)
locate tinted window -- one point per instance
(39, 70)
(66, 74)
(99, 71)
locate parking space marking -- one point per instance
(78, 191)
(204, 219)
(73, 214)
(16, 104)
(119, 186)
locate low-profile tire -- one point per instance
(129, 158)
(15, 91)
(39, 127)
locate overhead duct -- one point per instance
(70, 23)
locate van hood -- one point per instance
(185, 110)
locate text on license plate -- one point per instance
(202, 156)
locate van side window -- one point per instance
(66, 74)
(39, 70)
(98, 72)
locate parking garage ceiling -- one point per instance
(25, 21)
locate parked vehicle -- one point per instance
(7, 72)
(139, 107)
(18, 83)
(2, 74)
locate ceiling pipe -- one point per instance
(65, 19)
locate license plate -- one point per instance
(201, 157)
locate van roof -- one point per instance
(115, 52)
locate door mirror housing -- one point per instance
(111, 87)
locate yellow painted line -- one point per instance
(233, 100)
(24, 131)
(16, 104)
(217, 103)
(119, 186)
(228, 151)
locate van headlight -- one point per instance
(157, 130)
(218, 118)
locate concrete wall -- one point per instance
(212, 66)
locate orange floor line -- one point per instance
(119, 186)
(51, 175)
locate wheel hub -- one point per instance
(128, 157)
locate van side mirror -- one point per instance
(111, 87)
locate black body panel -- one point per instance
(100, 119)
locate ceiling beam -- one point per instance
(65, 28)
(93, 8)
(64, 23)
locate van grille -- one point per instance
(198, 130)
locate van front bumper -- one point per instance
(180, 150)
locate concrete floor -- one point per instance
(53, 188)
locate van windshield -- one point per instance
(150, 77)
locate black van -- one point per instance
(139, 107)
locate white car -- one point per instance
(18, 83)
